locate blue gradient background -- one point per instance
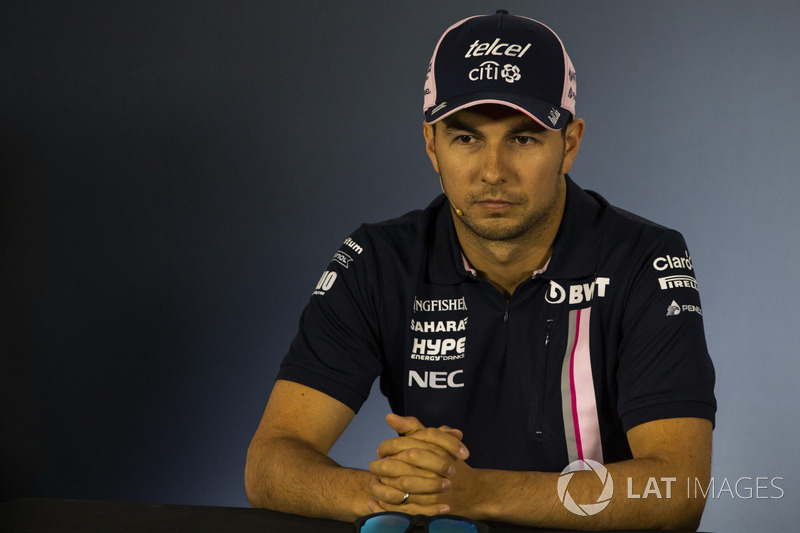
(176, 176)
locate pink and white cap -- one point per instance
(501, 59)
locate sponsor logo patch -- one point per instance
(436, 326)
(453, 304)
(579, 293)
(675, 309)
(438, 349)
(496, 48)
(342, 258)
(673, 262)
(353, 245)
(436, 380)
(325, 283)
(490, 70)
(677, 282)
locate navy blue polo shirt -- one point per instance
(609, 336)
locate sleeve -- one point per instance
(664, 370)
(336, 350)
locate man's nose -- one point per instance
(493, 171)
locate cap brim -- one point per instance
(552, 117)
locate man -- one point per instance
(520, 326)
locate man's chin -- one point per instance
(495, 229)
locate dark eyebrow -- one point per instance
(527, 126)
(453, 123)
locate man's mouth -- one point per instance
(495, 205)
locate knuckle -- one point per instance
(405, 484)
(376, 466)
(414, 454)
(431, 433)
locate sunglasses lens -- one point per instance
(449, 525)
(387, 524)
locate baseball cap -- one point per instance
(502, 59)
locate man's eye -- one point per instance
(522, 139)
(464, 139)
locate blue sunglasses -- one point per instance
(404, 523)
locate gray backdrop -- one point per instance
(176, 176)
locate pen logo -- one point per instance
(585, 509)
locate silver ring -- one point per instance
(405, 499)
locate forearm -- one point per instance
(532, 498)
(285, 474)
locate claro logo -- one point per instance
(580, 293)
(673, 262)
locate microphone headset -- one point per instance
(459, 212)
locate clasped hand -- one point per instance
(425, 463)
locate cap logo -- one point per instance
(439, 108)
(490, 70)
(511, 73)
(496, 48)
(553, 116)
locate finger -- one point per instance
(413, 462)
(414, 509)
(375, 507)
(416, 485)
(399, 444)
(424, 438)
(393, 490)
(406, 425)
(403, 424)
(390, 467)
(409, 508)
(457, 433)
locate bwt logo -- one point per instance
(435, 380)
(577, 293)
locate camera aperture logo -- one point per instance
(585, 509)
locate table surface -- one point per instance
(73, 516)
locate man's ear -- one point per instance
(572, 143)
(430, 144)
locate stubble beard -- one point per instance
(496, 229)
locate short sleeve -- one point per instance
(664, 369)
(336, 350)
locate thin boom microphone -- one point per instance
(459, 212)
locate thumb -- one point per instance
(403, 424)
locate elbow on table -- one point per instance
(256, 478)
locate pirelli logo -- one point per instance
(677, 282)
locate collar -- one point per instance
(577, 245)
(575, 251)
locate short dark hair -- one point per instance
(564, 129)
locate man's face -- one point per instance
(503, 170)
